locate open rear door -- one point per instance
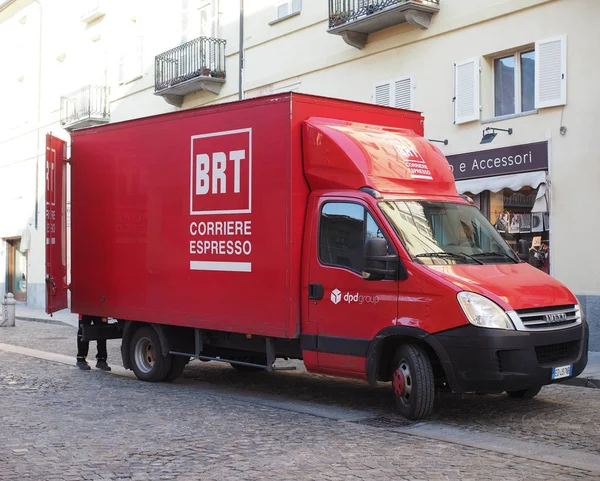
(56, 225)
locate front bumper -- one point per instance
(487, 360)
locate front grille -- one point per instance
(556, 353)
(550, 318)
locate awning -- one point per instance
(542, 200)
(513, 182)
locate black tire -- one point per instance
(147, 361)
(413, 382)
(178, 364)
(528, 393)
(253, 359)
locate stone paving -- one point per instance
(62, 424)
(58, 423)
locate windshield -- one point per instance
(446, 233)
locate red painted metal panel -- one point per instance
(513, 286)
(56, 225)
(305, 107)
(185, 219)
(196, 218)
(350, 155)
(351, 306)
(342, 366)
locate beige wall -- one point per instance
(299, 53)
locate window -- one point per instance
(529, 79)
(198, 19)
(288, 7)
(446, 233)
(514, 83)
(206, 21)
(396, 93)
(343, 229)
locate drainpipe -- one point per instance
(39, 121)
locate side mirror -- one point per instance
(378, 264)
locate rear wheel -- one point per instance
(528, 393)
(147, 361)
(178, 364)
(413, 382)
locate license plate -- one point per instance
(562, 371)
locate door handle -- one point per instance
(315, 291)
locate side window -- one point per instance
(341, 234)
(343, 228)
(373, 230)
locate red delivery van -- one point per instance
(295, 226)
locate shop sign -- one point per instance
(506, 160)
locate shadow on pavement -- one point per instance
(354, 394)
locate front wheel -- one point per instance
(147, 361)
(413, 382)
(529, 393)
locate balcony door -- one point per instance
(198, 19)
(17, 270)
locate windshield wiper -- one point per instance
(449, 254)
(494, 254)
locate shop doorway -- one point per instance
(17, 270)
(525, 231)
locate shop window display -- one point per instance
(526, 232)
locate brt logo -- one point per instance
(221, 173)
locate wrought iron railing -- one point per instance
(343, 11)
(199, 57)
(87, 103)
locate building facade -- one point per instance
(506, 86)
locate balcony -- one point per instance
(85, 107)
(354, 20)
(194, 66)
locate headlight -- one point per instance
(581, 311)
(482, 312)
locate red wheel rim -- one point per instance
(399, 382)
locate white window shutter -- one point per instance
(551, 72)
(206, 22)
(122, 73)
(466, 91)
(185, 21)
(383, 94)
(214, 18)
(398, 93)
(403, 93)
(283, 8)
(137, 64)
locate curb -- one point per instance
(45, 321)
(583, 382)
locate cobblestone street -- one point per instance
(59, 423)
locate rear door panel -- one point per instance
(56, 225)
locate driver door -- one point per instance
(352, 310)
